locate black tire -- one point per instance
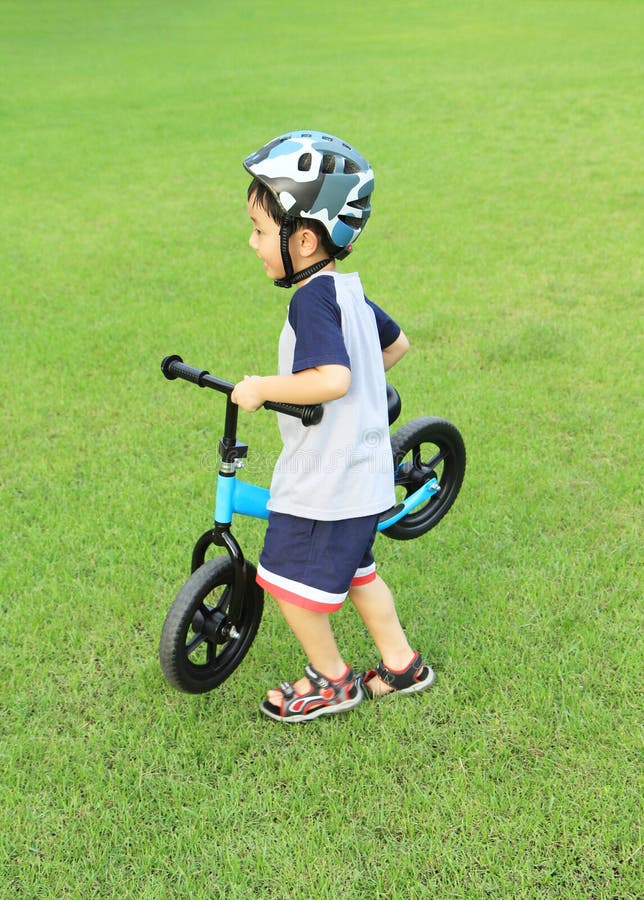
(203, 639)
(423, 449)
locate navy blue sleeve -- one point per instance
(316, 319)
(388, 330)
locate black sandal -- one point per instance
(416, 677)
(325, 696)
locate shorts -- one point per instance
(313, 563)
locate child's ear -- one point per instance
(309, 242)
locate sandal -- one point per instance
(326, 696)
(416, 677)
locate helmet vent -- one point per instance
(304, 162)
(351, 221)
(328, 164)
(351, 168)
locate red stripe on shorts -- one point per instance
(297, 599)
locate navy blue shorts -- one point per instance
(313, 564)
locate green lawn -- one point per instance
(506, 238)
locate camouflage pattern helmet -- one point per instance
(313, 175)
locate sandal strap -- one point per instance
(401, 680)
(319, 681)
(323, 683)
(287, 689)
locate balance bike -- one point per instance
(215, 616)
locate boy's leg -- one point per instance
(313, 631)
(375, 604)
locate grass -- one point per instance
(506, 239)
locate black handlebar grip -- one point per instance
(174, 367)
(166, 365)
(310, 415)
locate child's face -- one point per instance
(265, 240)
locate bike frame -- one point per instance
(245, 499)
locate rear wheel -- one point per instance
(205, 635)
(423, 449)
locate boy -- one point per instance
(309, 201)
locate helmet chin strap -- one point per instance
(290, 277)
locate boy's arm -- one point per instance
(395, 351)
(317, 385)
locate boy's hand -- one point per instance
(247, 394)
(317, 385)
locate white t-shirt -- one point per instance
(341, 468)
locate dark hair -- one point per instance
(266, 201)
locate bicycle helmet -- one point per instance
(313, 175)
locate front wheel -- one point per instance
(205, 635)
(423, 449)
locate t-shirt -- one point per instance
(341, 468)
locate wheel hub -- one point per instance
(215, 626)
(414, 475)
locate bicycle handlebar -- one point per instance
(174, 367)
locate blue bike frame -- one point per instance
(246, 499)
